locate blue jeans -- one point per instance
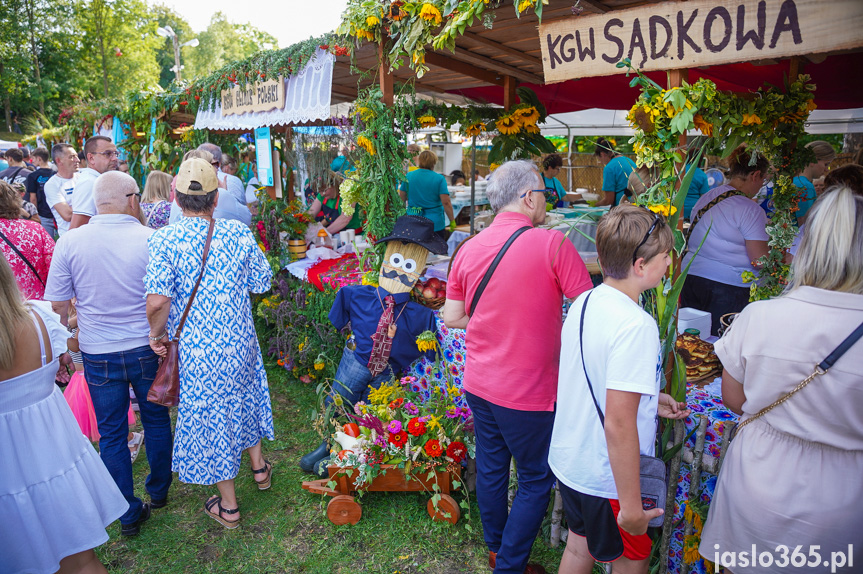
(49, 226)
(353, 379)
(108, 377)
(501, 434)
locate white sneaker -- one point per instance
(135, 444)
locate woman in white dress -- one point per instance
(55, 506)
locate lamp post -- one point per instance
(168, 32)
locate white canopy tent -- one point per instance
(596, 122)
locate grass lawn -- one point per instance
(285, 529)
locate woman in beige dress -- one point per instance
(792, 480)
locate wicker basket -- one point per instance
(435, 304)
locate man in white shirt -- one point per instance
(233, 183)
(102, 156)
(59, 189)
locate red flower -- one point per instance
(399, 439)
(416, 427)
(456, 451)
(197, 97)
(324, 46)
(396, 403)
(184, 103)
(433, 448)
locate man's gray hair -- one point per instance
(213, 149)
(110, 190)
(509, 181)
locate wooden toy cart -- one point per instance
(344, 508)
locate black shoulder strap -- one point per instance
(21, 255)
(698, 214)
(493, 266)
(583, 365)
(841, 349)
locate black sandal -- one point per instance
(268, 468)
(217, 516)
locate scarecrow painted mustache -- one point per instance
(406, 279)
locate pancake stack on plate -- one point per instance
(698, 355)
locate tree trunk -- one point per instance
(28, 5)
(7, 106)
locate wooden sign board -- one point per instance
(670, 35)
(257, 97)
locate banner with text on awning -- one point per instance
(671, 35)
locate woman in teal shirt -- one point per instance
(824, 155)
(427, 194)
(554, 192)
(615, 174)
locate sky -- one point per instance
(290, 21)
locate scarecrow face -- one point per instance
(403, 263)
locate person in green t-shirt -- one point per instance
(427, 194)
(615, 174)
(327, 208)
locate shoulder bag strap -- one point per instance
(493, 266)
(198, 282)
(697, 217)
(820, 369)
(583, 365)
(24, 259)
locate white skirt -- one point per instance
(56, 496)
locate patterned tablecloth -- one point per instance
(706, 401)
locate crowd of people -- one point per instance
(132, 270)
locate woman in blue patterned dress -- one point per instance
(224, 398)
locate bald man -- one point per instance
(102, 264)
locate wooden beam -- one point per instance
(344, 91)
(797, 65)
(496, 66)
(385, 76)
(502, 48)
(509, 96)
(597, 7)
(434, 59)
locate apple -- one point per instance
(441, 294)
(429, 293)
(434, 283)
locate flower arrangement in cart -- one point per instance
(398, 427)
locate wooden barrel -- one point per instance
(297, 248)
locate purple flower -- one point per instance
(380, 441)
(411, 409)
(452, 412)
(394, 427)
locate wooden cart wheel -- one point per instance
(343, 509)
(446, 504)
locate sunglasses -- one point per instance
(139, 194)
(656, 220)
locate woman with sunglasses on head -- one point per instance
(732, 228)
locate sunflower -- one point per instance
(419, 57)
(427, 121)
(527, 116)
(690, 549)
(362, 33)
(372, 21)
(524, 5)
(703, 125)
(430, 13)
(427, 341)
(366, 144)
(507, 125)
(474, 129)
(664, 209)
(750, 119)
(532, 129)
(396, 13)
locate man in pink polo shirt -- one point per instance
(513, 352)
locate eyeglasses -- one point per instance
(136, 193)
(114, 153)
(656, 220)
(531, 191)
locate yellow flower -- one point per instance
(524, 5)
(261, 245)
(363, 33)
(418, 58)
(526, 116)
(532, 129)
(430, 13)
(664, 209)
(433, 423)
(690, 549)
(427, 121)
(493, 166)
(427, 341)
(474, 129)
(319, 366)
(669, 110)
(372, 21)
(702, 125)
(366, 144)
(366, 113)
(302, 345)
(381, 395)
(507, 125)
(693, 518)
(749, 119)
(370, 278)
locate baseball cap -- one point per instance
(196, 170)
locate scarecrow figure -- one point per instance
(385, 322)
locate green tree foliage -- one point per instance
(165, 16)
(221, 43)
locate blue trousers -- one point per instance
(353, 379)
(108, 377)
(501, 434)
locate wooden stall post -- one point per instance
(289, 142)
(509, 96)
(386, 77)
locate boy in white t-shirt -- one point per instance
(597, 463)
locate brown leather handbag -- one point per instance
(165, 389)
